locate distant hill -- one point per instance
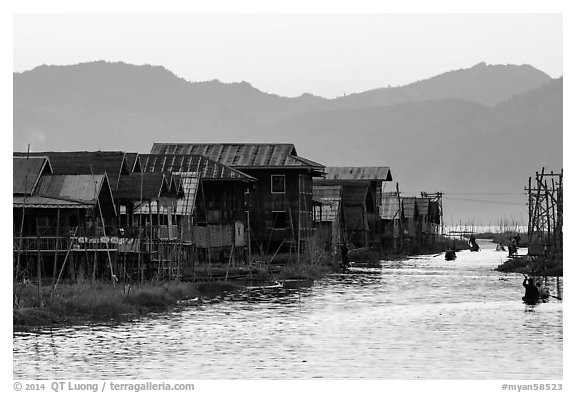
(467, 150)
(484, 84)
(470, 132)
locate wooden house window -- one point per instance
(278, 184)
(279, 220)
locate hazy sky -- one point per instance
(290, 54)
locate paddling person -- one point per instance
(512, 249)
(473, 245)
(450, 254)
(532, 294)
(543, 291)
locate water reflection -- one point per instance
(420, 318)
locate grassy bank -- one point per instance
(504, 237)
(84, 302)
(524, 266)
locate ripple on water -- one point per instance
(420, 318)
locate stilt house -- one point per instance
(213, 206)
(279, 205)
(58, 214)
(361, 197)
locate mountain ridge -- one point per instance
(461, 130)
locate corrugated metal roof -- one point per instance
(113, 163)
(79, 188)
(390, 208)
(147, 186)
(333, 196)
(359, 173)
(189, 185)
(206, 167)
(41, 202)
(185, 204)
(133, 162)
(173, 184)
(26, 172)
(242, 155)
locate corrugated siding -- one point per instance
(358, 173)
(82, 188)
(390, 208)
(333, 196)
(355, 218)
(208, 168)
(184, 205)
(240, 155)
(26, 172)
(213, 236)
(422, 206)
(354, 194)
(409, 206)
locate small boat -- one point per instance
(450, 255)
(531, 301)
(544, 293)
(276, 285)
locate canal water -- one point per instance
(420, 318)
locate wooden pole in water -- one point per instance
(229, 261)
(94, 263)
(299, 216)
(159, 244)
(38, 269)
(84, 269)
(139, 248)
(56, 247)
(107, 246)
(248, 235)
(554, 207)
(530, 207)
(63, 265)
(20, 241)
(400, 229)
(548, 226)
(22, 221)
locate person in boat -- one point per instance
(450, 253)
(512, 248)
(543, 291)
(473, 245)
(517, 239)
(531, 294)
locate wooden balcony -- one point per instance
(42, 244)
